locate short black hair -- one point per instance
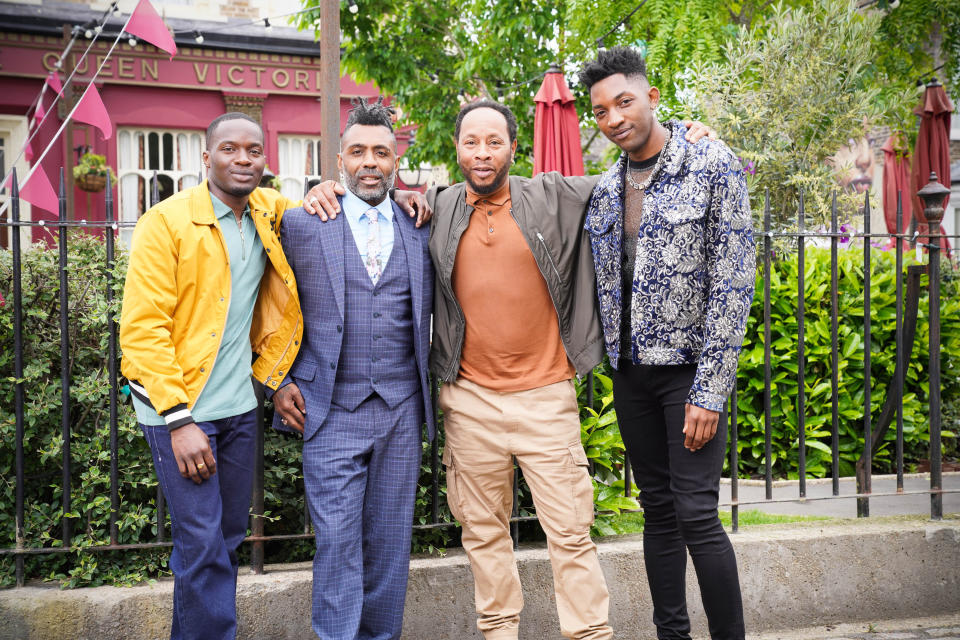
(503, 109)
(610, 62)
(374, 114)
(232, 115)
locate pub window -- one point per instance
(176, 156)
(13, 135)
(299, 162)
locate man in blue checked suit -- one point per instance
(358, 390)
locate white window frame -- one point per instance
(294, 165)
(132, 171)
(14, 131)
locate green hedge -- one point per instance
(817, 373)
(90, 453)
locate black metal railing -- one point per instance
(906, 320)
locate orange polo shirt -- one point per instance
(512, 340)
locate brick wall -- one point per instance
(239, 9)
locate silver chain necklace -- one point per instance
(641, 186)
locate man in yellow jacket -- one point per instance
(207, 285)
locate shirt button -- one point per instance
(280, 373)
(333, 366)
(376, 314)
(374, 359)
(202, 369)
(375, 381)
(213, 335)
(376, 337)
(221, 299)
(339, 329)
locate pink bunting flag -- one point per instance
(39, 113)
(90, 110)
(146, 24)
(38, 191)
(28, 152)
(53, 80)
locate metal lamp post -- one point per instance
(933, 195)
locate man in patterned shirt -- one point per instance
(670, 230)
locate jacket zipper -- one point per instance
(553, 298)
(547, 252)
(295, 327)
(448, 285)
(285, 350)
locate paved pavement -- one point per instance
(753, 494)
(938, 628)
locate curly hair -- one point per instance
(610, 62)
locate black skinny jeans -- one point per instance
(679, 491)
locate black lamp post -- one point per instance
(933, 195)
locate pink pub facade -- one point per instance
(160, 107)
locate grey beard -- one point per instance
(371, 195)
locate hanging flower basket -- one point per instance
(91, 171)
(91, 182)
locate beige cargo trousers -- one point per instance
(484, 430)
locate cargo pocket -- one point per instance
(581, 486)
(453, 489)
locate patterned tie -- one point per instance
(374, 263)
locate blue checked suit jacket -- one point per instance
(315, 251)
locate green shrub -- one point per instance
(817, 373)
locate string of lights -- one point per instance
(198, 34)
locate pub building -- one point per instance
(230, 58)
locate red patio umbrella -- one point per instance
(556, 130)
(896, 178)
(933, 148)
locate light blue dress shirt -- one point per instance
(356, 211)
(229, 389)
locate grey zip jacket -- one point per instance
(549, 209)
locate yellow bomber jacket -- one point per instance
(177, 294)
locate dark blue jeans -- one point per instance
(679, 491)
(209, 521)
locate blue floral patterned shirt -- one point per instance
(695, 263)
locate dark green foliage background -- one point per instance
(136, 518)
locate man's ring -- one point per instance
(283, 420)
(200, 466)
(314, 201)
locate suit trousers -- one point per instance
(540, 427)
(679, 491)
(360, 472)
(208, 522)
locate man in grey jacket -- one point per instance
(514, 320)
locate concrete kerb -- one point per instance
(793, 576)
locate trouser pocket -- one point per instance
(580, 484)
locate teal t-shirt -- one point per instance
(229, 389)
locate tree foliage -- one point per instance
(433, 56)
(788, 97)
